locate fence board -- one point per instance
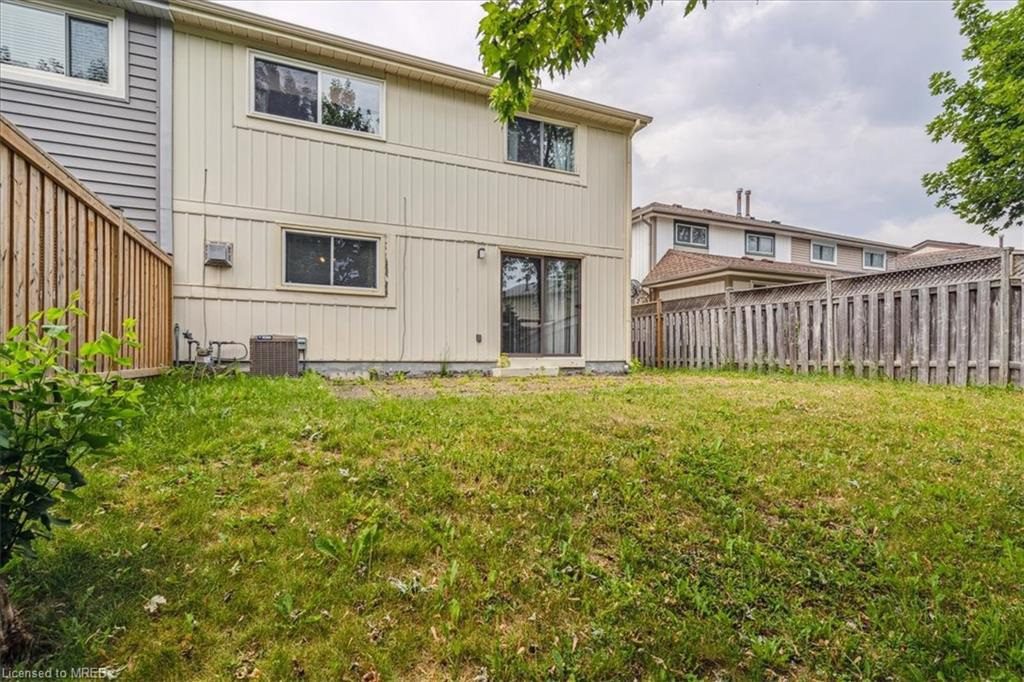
(6, 208)
(830, 325)
(963, 309)
(889, 333)
(1005, 320)
(983, 330)
(858, 335)
(57, 237)
(906, 337)
(924, 338)
(942, 333)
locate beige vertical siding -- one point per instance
(436, 190)
(801, 250)
(690, 290)
(849, 258)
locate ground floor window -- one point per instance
(540, 305)
(331, 260)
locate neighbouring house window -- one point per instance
(688, 234)
(759, 244)
(74, 49)
(539, 143)
(540, 305)
(874, 260)
(823, 253)
(312, 95)
(330, 260)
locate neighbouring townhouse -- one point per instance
(682, 252)
(90, 83)
(360, 198)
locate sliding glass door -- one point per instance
(540, 305)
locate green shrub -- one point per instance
(51, 417)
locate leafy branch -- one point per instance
(522, 39)
(52, 416)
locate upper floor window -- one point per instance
(689, 234)
(874, 260)
(760, 244)
(63, 46)
(823, 252)
(313, 95)
(539, 143)
(332, 260)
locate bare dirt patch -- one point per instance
(436, 387)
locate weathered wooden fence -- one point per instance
(960, 323)
(57, 237)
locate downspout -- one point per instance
(165, 127)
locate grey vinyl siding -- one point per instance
(111, 145)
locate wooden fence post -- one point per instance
(659, 335)
(1005, 265)
(730, 356)
(830, 327)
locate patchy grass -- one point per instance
(659, 526)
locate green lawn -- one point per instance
(658, 526)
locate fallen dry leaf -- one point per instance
(154, 604)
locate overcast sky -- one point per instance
(818, 107)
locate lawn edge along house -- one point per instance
(375, 207)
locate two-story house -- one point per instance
(681, 252)
(320, 187)
(377, 208)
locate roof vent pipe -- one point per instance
(739, 202)
(748, 202)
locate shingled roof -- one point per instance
(678, 264)
(949, 255)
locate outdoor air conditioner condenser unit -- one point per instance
(274, 355)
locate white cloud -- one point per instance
(819, 107)
(442, 31)
(938, 225)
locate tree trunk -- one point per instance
(14, 637)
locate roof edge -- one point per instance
(743, 266)
(688, 212)
(950, 246)
(200, 13)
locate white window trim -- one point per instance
(877, 252)
(250, 106)
(378, 290)
(762, 254)
(835, 252)
(117, 61)
(543, 119)
(692, 245)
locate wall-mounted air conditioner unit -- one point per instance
(219, 254)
